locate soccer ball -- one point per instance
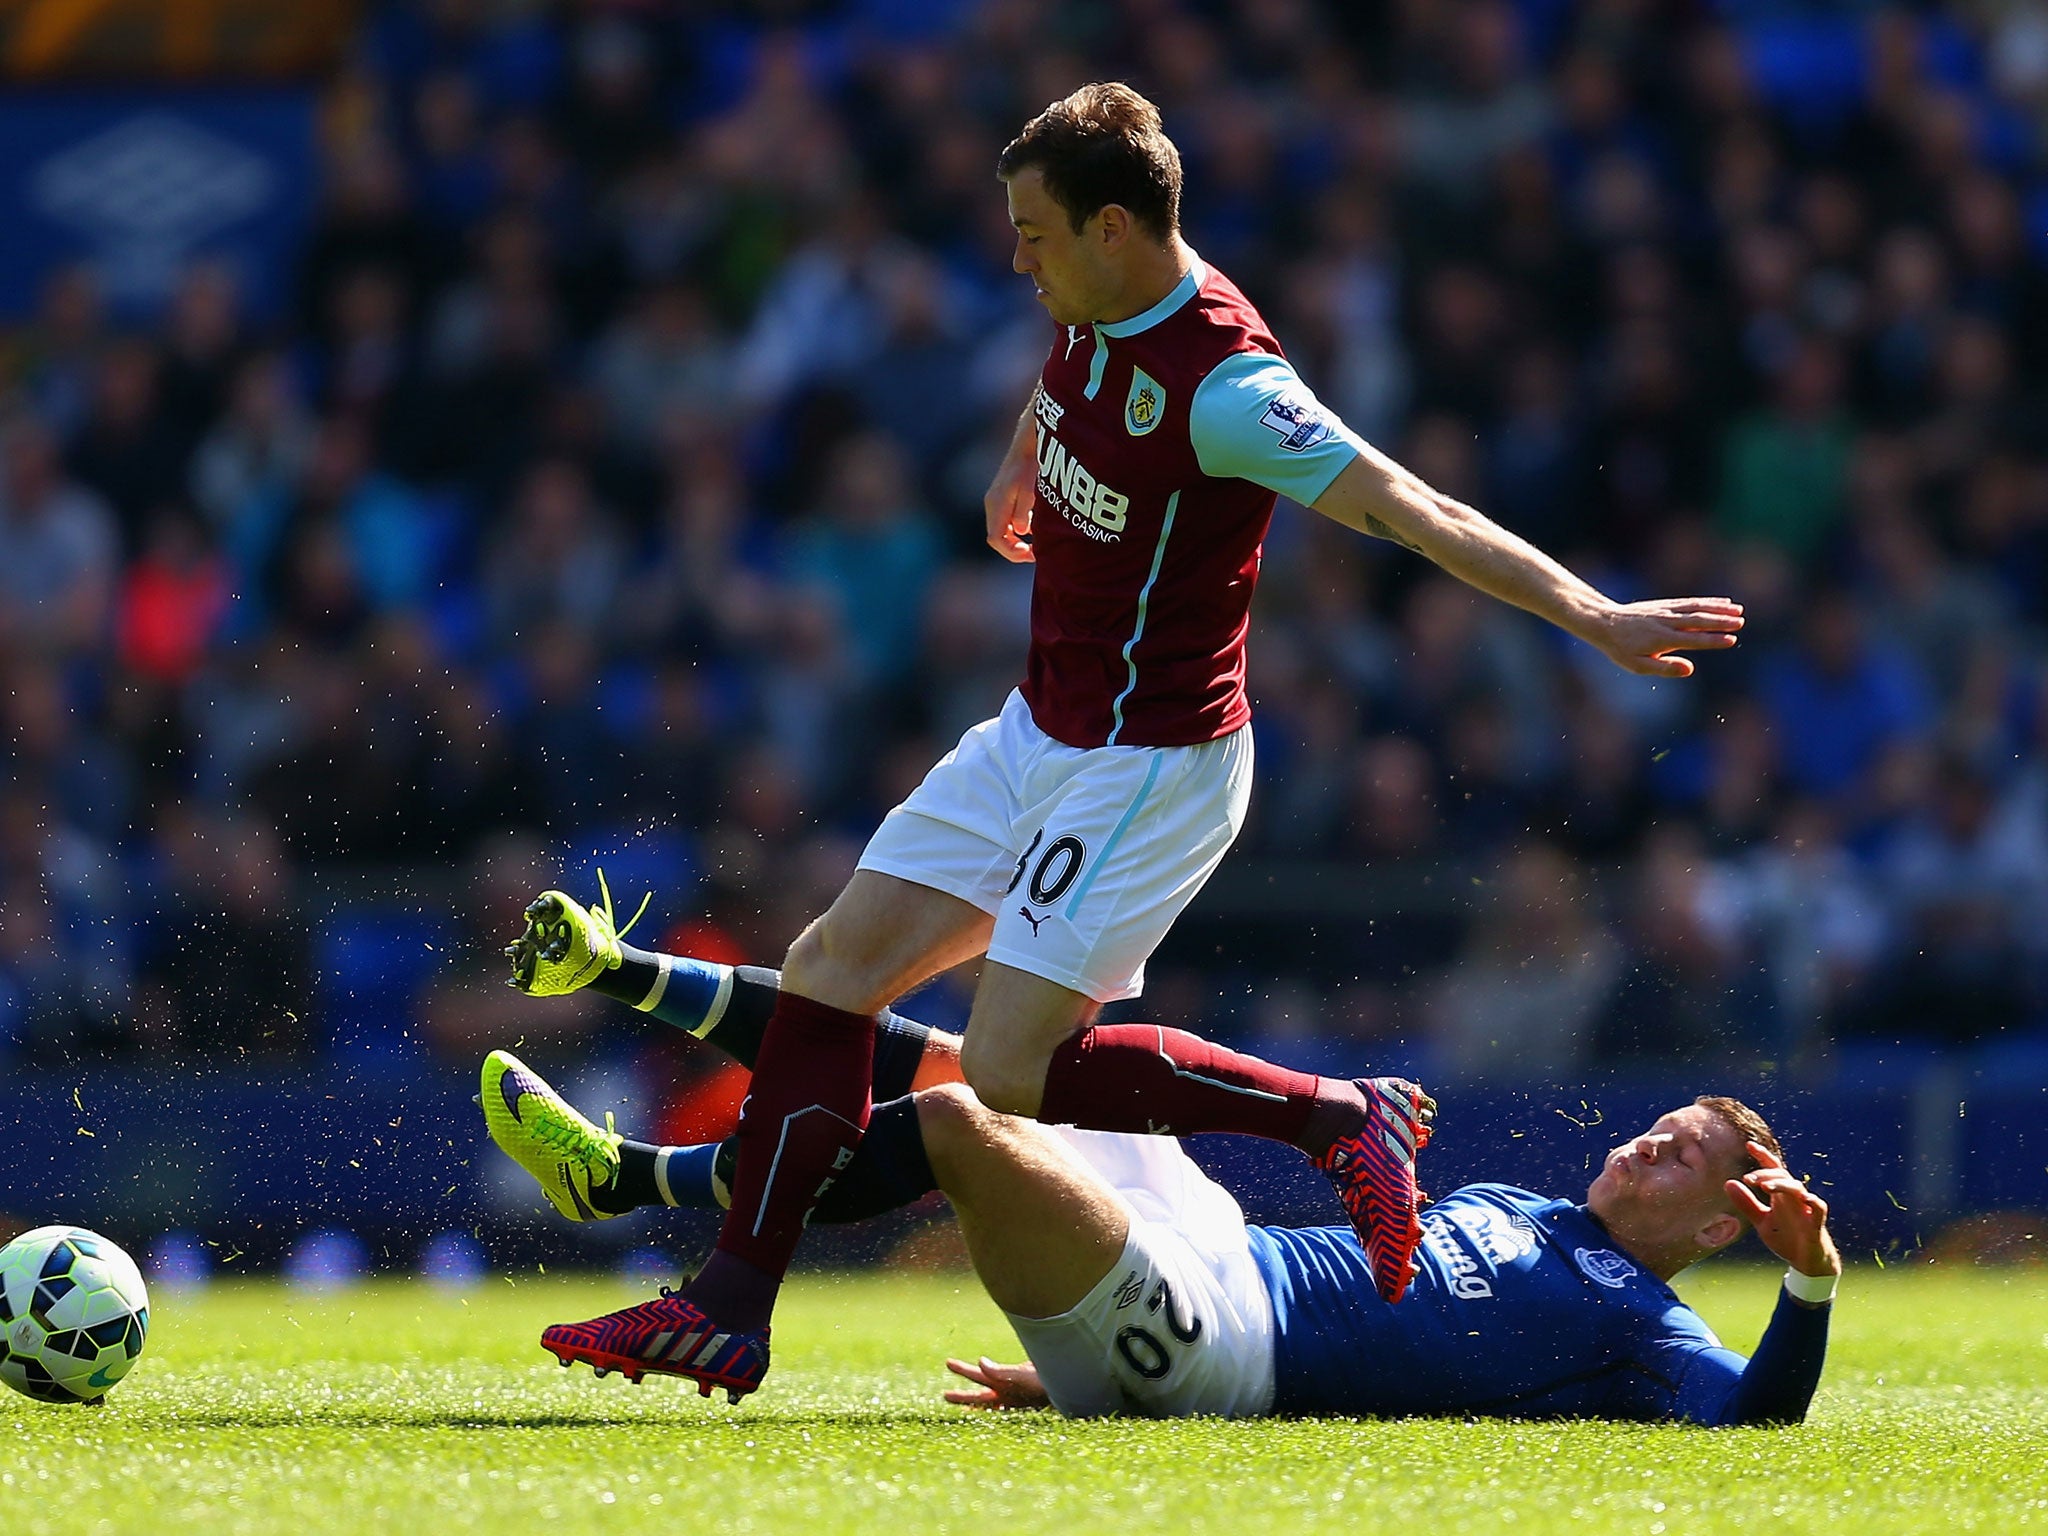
(73, 1315)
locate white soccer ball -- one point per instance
(73, 1314)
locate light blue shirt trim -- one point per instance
(1253, 419)
(1138, 631)
(1117, 833)
(1183, 290)
(1096, 364)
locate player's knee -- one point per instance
(964, 1137)
(1002, 1077)
(822, 964)
(950, 1117)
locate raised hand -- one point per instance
(1642, 637)
(997, 1386)
(1790, 1218)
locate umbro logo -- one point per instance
(1129, 1289)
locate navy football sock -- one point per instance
(889, 1171)
(640, 1180)
(728, 1006)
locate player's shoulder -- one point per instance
(1513, 1195)
(1222, 322)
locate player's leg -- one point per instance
(1128, 839)
(809, 1100)
(541, 1131)
(1041, 1227)
(1161, 1316)
(567, 946)
(920, 900)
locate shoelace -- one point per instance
(610, 919)
(564, 1135)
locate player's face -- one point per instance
(1071, 269)
(1672, 1178)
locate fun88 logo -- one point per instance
(1086, 502)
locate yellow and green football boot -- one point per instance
(567, 944)
(541, 1132)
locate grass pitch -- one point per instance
(399, 1406)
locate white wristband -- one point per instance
(1811, 1288)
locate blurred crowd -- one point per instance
(611, 486)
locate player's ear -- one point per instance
(1116, 225)
(1720, 1232)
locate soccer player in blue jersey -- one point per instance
(1136, 1286)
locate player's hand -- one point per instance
(998, 1386)
(1790, 1218)
(1643, 637)
(1008, 506)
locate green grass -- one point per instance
(398, 1407)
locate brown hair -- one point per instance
(1102, 145)
(1747, 1124)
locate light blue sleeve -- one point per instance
(1253, 419)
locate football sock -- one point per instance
(799, 1129)
(729, 1007)
(1167, 1082)
(646, 1177)
(888, 1172)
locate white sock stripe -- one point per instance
(718, 1004)
(663, 965)
(1210, 1082)
(661, 1184)
(781, 1141)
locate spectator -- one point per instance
(1536, 971)
(1785, 471)
(871, 550)
(62, 546)
(1838, 698)
(1686, 993)
(1965, 891)
(128, 448)
(561, 561)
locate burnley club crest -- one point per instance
(1144, 405)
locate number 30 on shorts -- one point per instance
(1056, 870)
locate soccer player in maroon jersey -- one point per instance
(1062, 838)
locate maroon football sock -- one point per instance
(803, 1118)
(1167, 1082)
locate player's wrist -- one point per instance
(1814, 1290)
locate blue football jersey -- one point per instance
(1522, 1306)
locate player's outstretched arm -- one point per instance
(1010, 495)
(997, 1386)
(1376, 496)
(1791, 1219)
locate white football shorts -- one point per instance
(1084, 855)
(1184, 1323)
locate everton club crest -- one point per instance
(1144, 405)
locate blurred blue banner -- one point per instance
(140, 183)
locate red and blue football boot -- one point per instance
(1373, 1172)
(668, 1337)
